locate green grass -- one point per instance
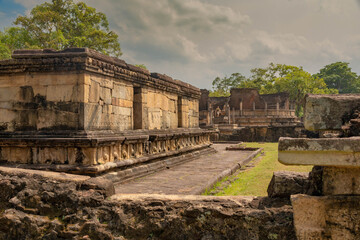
(254, 181)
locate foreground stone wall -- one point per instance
(42, 205)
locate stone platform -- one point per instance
(83, 112)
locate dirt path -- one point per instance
(188, 178)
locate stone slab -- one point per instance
(326, 217)
(341, 181)
(328, 112)
(46, 174)
(340, 152)
(286, 183)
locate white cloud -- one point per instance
(197, 40)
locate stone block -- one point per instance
(285, 183)
(122, 111)
(12, 81)
(155, 118)
(104, 186)
(119, 91)
(9, 94)
(87, 156)
(53, 79)
(50, 119)
(94, 92)
(341, 181)
(51, 156)
(8, 116)
(326, 217)
(309, 217)
(16, 154)
(62, 93)
(124, 103)
(105, 95)
(323, 152)
(328, 112)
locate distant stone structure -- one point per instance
(248, 116)
(246, 107)
(80, 111)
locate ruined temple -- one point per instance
(246, 107)
(80, 111)
(247, 115)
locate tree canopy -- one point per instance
(274, 79)
(222, 86)
(58, 25)
(339, 76)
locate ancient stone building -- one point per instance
(248, 116)
(246, 107)
(80, 111)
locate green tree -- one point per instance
(62, 24)
(141, 66)
(14, 38)
(274, 79)
(339, 76)
(298, 83)
(222, 86)
(291, 79)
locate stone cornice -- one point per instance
(88, 60)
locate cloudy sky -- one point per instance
(198, 40)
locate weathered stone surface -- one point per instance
(285, 183)
(327, 217)
(260, 134)
(316, 181)
(341, 152)
(329, 112)
(341, 181)
(38, 208)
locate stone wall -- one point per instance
(43, 205)
(261, 134)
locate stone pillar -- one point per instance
(277, 108)
(229, 113)
(266, 108)
(180, 112)
(241, 108)
(138, 109)
(234, 121)
(254, 108)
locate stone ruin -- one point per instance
(333, 212)
(248, 116)
(246, 107)
(74, 123)
(80, 111)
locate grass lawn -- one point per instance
(254, 181)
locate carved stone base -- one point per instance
(97, 152)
